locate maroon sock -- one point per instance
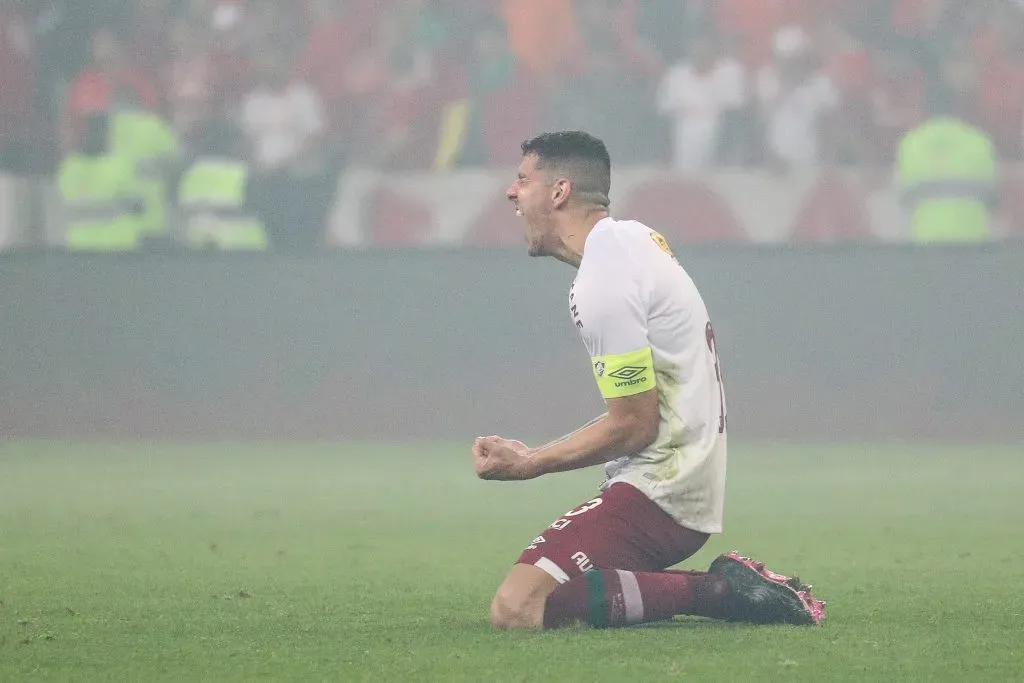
(611, 597)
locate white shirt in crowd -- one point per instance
(696, 102)
(793, 116)
(279, 122)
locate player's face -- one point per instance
(530, 194)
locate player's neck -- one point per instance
(573, 235)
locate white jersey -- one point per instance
(645, 325)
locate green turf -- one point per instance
(349, 563)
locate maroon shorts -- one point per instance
(620, 529)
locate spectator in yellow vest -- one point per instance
(99, 195)
(150, 144)
(948, 176)
(213, 193)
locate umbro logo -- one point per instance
(628, 376)
(628, 372)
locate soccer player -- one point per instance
(662, 440)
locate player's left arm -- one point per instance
(613, 318)
(629, 426)
(611, 312)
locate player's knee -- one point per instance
(509, 612)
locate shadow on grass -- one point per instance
(679, 623)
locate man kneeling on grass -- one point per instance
(662, 441)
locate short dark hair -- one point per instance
(581, 156)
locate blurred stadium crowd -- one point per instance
(300, 89)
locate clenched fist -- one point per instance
(501, 459)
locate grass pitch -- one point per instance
(352, 562)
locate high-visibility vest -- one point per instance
(947, 171)
(100, 200)
(212, 197)
(149, 143)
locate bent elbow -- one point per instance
(648, 434)
(638, 434)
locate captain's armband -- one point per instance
(625, 374)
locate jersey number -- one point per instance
(710, 334)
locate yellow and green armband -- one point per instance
(625, 374)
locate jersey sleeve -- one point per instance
(613, 324)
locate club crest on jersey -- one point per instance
(599, 368)
(662, 243)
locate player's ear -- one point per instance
(560, 192)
